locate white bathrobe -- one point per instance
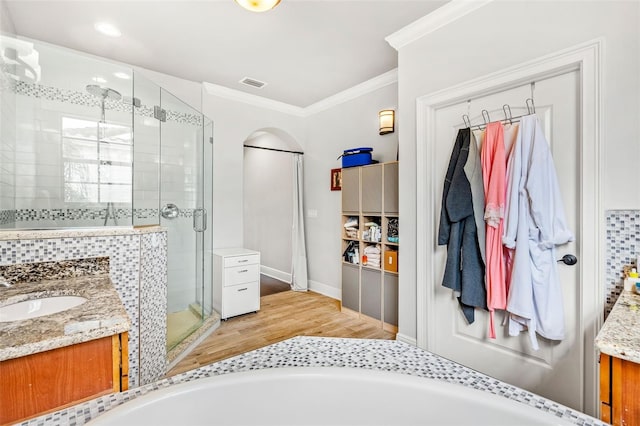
(534, 225)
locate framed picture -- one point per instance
(336, 179)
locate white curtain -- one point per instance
(299, 280)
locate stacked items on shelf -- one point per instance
(372, 232)
(351, 227)
(350, 254)
(372, 254)
(392, 231)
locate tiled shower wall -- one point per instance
(137, 265)
(622, 248)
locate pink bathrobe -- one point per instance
(493, 160)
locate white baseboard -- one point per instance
(325, 289)
(406, 339)
(275, 273)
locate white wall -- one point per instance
(511, 33)
(328, 133)
(233, 123)
(6, 24)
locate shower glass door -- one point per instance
(182, 214)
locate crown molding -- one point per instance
(439, 18)
(390, 77)
(255, 100)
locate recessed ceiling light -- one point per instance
(107, 29)
(99, 79)
(123, 75)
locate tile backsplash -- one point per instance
(622, 248)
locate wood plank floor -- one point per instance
(281, 316)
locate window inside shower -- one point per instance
(97, 161)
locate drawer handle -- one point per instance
(243, 289)
(243, 271)
(243, 261)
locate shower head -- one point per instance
(103, 92)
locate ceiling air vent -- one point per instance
(253, 82)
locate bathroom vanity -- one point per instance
(619, 344)
(50, 361)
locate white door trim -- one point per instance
(587, 59)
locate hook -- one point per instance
(466, 120)
(531, 108)
(485, 116)
(507, 113)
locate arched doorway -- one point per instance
(272, 198)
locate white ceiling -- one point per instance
(305, 50)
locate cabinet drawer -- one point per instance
(241, 274)
(241, 299)
(248, 259)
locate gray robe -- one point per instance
(464, 270)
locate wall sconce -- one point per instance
(258, 5)
(387, 121)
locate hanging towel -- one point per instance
(535, 225)
(464, 270)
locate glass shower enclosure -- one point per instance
(91, 143)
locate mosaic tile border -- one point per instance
(86, 99)
(7, 216)
(382, 355)
(622, 248)
(34, 215)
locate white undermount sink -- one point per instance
(39, 307)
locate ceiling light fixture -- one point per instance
(107, 29)
(258, 5)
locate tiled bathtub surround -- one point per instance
(30, 272)
(622, 248)
(384, 355)
(123, 247)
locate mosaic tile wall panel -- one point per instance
(124, 265)
(622, 248)
(153, 303)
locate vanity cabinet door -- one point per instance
(619, 391)
(47, 381)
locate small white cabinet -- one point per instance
(236, 281)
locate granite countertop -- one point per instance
(32, 234)
(100, 316)
(383, 355)
(620, 333)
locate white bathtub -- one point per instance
(322, 396)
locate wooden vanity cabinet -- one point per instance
(47, 381)
(619, 391)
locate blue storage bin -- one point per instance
(356, 157)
